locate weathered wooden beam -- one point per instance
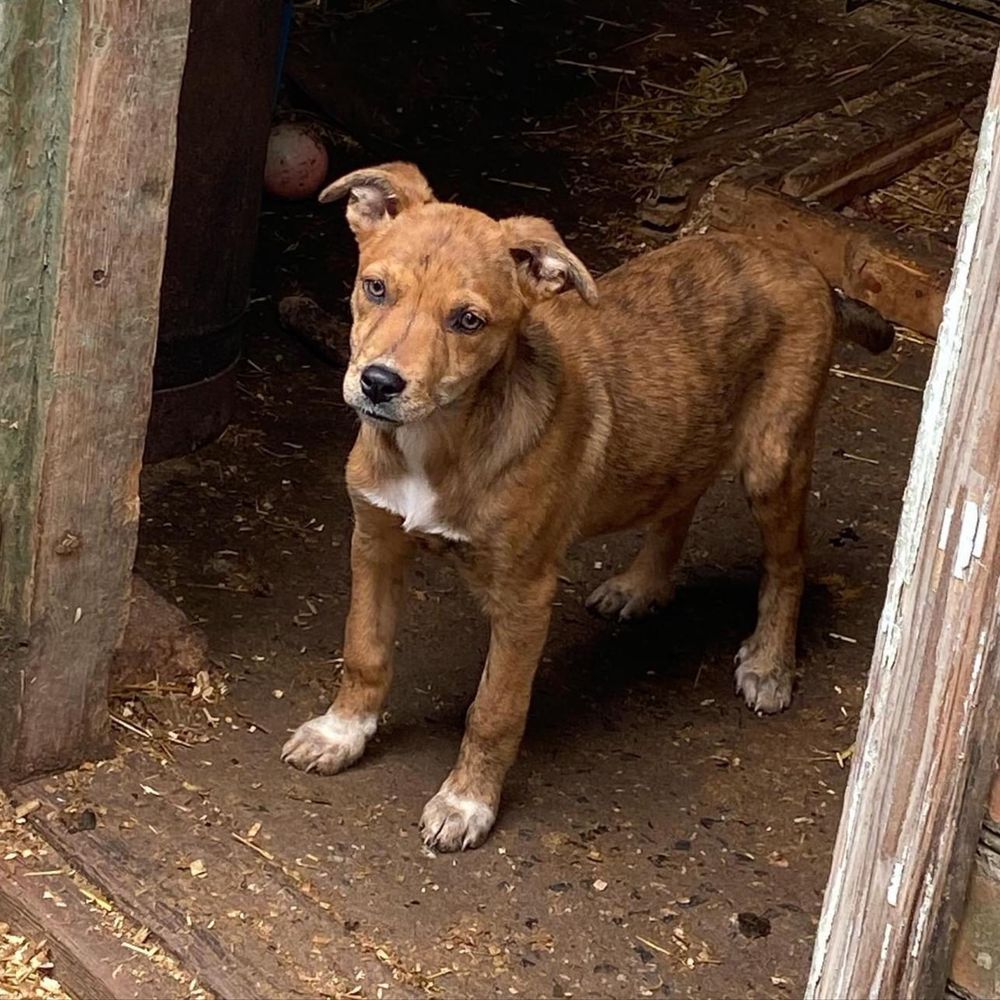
(106, 860)
(926, 747)
(769, 106)
(89, 104)
(42, 896)
(905, 282)
(842, 152)
(833, 176)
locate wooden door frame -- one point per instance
(926, 747)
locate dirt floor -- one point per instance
(655, 839)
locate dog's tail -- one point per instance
(859, 322)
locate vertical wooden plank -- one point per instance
(927, 741)
(89, 101)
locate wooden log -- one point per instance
(926, 747)
(86, 167)
(306, 319)
(906, 283)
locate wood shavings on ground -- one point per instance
(681, 951)
(26, 968)
(168, 713)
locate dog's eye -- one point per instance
(468, 322)
(374, 289)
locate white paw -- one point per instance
(454, 823)
(766, 684)
(618, 597)
(328, 743)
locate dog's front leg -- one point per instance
(463, 811)
(380, 553)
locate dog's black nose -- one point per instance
(379, 383)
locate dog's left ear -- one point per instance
(545, 266)
(378, 195)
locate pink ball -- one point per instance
(296, 163)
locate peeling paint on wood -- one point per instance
(966, 537)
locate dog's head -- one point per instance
(441, 291)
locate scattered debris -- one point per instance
(844, 373)
(843, 638)
(26, 968)
(26, 808)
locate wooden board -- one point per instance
(926, 747)
(878, 63)
(234, 954)
(102, 859)
(854, 151)
(848, 149)
(826, 146)
(835, 177)
(834, 157)
(90, 962)
(85, 174)
(904, 282)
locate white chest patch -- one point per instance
(410, 495)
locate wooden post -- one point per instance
(927, 741)
(89, 102)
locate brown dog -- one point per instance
(503, 421)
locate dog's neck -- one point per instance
(512, 407)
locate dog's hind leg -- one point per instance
(776, 480)
(648, 581)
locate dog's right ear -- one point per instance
(378, 195)
(545, 266)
